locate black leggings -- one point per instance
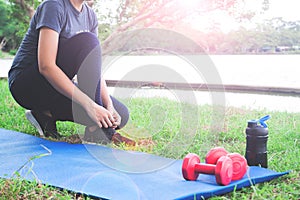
(81, 56)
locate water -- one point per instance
(253, 70)
(259, 70)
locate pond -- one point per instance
(252, 70)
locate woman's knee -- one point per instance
(73, 51)
(86, 40)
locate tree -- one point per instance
(167, 14)
(26, 7)
(4, 13)
(14, 21)
(135, 14)
(9, 26)
(22, 12)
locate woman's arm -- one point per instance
(106, 100)
(47, 52)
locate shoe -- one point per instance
(98, 136)
(118, 139)
(106, 136)
(45, 125)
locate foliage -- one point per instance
(15, 16)
(22, 11)
(166, 14)
(7, 28)
(176, 16)
(4, 15)
(124, 15)
(266, 37)
(13, 24)
(104, 31)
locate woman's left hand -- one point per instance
(115, 115)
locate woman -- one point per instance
(60, 43)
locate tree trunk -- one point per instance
(3, 43)
(29, 8)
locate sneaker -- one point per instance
(98, 136)
(118, 139)
(106, 136)
(45, 125)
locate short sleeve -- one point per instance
(50, 14)
(95, 26)
(93, 22)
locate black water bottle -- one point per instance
(257, 138)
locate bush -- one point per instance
(13, 52)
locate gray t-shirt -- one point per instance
(62, 17)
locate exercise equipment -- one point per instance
(192, 167)
(257, 134)
(239, 162)
(214, 154)
(107, 173)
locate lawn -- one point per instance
(176, 129)
(5, 55)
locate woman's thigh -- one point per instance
(32, 91)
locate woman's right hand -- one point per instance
(100, 115)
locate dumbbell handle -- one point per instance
(205, 168)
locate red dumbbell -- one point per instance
(239, 163)
(191, 168)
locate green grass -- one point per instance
(19, 188)
(176, 130)
(5, 55)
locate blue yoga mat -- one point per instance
(108, 173)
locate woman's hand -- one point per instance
(116, 116)
(101, 115)
(107, 103)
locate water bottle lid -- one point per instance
(263, 119)
(253, 123)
